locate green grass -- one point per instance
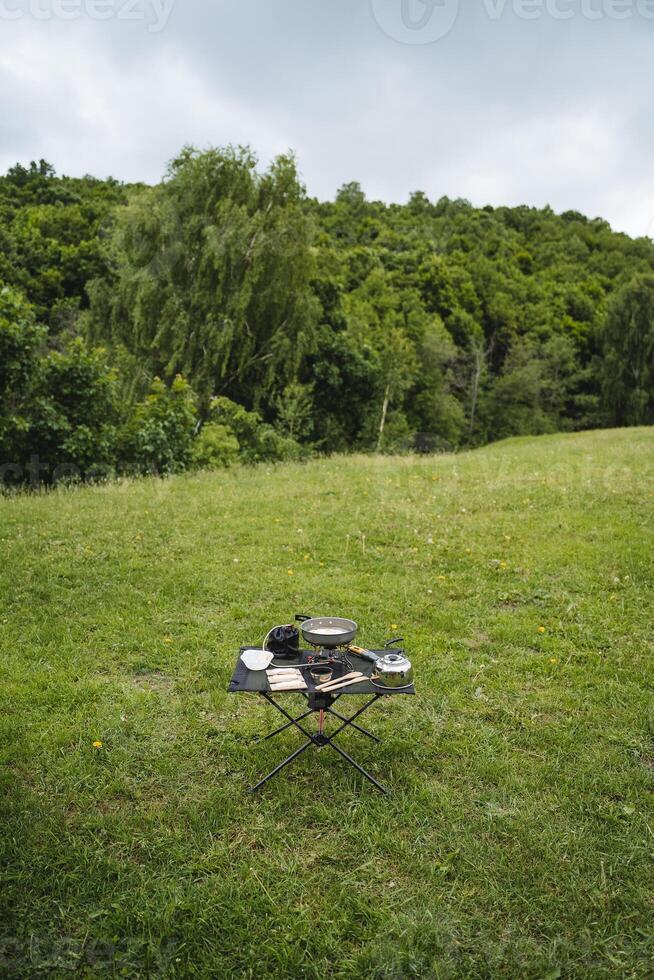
(519, 836)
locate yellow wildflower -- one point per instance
(97, 744)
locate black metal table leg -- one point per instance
(320, 739)
(281, 765)
(353, 724)
(356, 765)
(291, 719)
(348, 721)
(289, 724)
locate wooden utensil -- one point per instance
(354, 674)
(346, 683)
(335, 680)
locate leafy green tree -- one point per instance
(50, 243)
(158, 437)
(215, 447)
(397, 369)
(258, 441)
(21, 339)
(344, 373)
(327, 326)
(294, 410)
(74, 414)
(531, 395)
(212, 275)
(58, 409)
(433, 410)
(628, 347)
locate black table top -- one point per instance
(256, 681)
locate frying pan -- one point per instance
(327, 631)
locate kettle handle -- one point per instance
(396, 639)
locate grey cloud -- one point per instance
(503, 111)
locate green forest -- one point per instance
(224, 315)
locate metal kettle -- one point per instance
(393, 670)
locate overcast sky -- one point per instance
(499, 101)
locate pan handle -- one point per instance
(397, 639)
(302, 619)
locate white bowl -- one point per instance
(257, 659)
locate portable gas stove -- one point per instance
(330, 639)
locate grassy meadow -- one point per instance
(518, 840)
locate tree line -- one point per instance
(223, 314)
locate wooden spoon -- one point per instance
(353, 675)
(346, 683)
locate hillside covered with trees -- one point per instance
(223, 314)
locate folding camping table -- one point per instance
(256, 682)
